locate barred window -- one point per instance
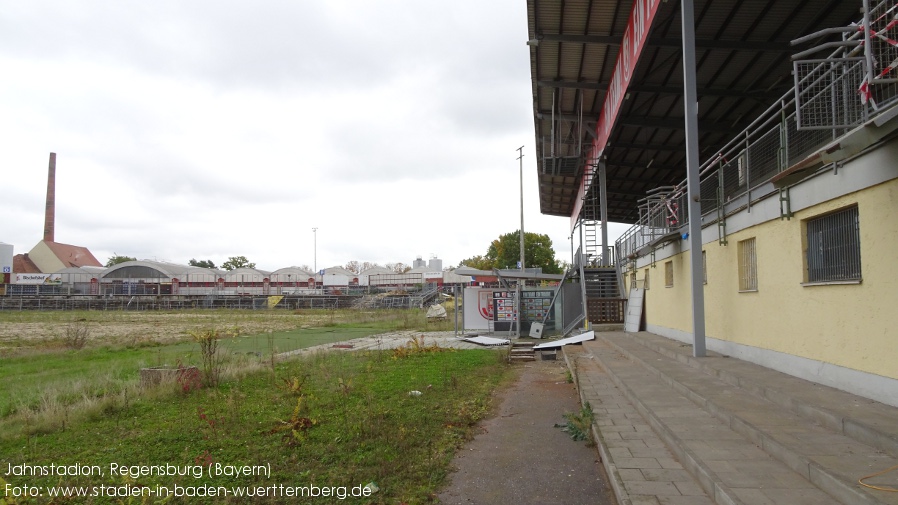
(748, 265)
(668, 274)
(834, 247)
(645, 283)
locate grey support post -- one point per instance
(690, 100)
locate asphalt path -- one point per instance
(521, 457)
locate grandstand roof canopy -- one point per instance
(743, 66)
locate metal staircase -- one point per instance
(604, 304)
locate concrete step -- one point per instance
(521, 351)
(865, 420)
(640, 467)
(828, 459)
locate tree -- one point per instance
(201, 264)
(358, 267)
(235, 262)
(399, 268)
(367, 265)
(478, 262)
(115, 259)
(505, 252)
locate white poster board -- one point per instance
(478, 308)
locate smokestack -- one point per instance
(50, 214)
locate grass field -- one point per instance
(325, 419)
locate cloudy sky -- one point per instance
(201, 129)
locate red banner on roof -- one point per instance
(637, 33)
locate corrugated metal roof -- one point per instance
(743, 66)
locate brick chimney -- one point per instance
(50, 213)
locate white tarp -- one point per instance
(487, 340)
(583, 337)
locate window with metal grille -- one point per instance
(645, 283)
(834, 247)
(668, 274)
(748, 265)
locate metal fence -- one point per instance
(140, 303)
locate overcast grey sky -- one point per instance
(200, 129)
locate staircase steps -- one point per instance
(601, 282)
(603, 296)
(521, 351)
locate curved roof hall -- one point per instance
(145, 269)
(245, 275)
(296, 271)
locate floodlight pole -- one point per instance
(519, 291)
(521, 159)
(315, 242)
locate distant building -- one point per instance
(49, 256)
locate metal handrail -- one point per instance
(663, 212)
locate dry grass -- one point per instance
(57, 338)
(96, 397)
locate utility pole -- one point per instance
(521, 159)
(315, 242)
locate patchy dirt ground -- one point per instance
(36, 329)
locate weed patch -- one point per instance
(579, 424)
(76, 335)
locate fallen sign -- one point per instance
(576, 339)
(487, 340)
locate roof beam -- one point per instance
(645, 147)
(669, 123)
(674, 123)
(729, 45)
(656, 168)
(671, 90)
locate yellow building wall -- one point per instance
(846, 325)
(44, 258)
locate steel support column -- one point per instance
(603, 210)
(690, 102)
